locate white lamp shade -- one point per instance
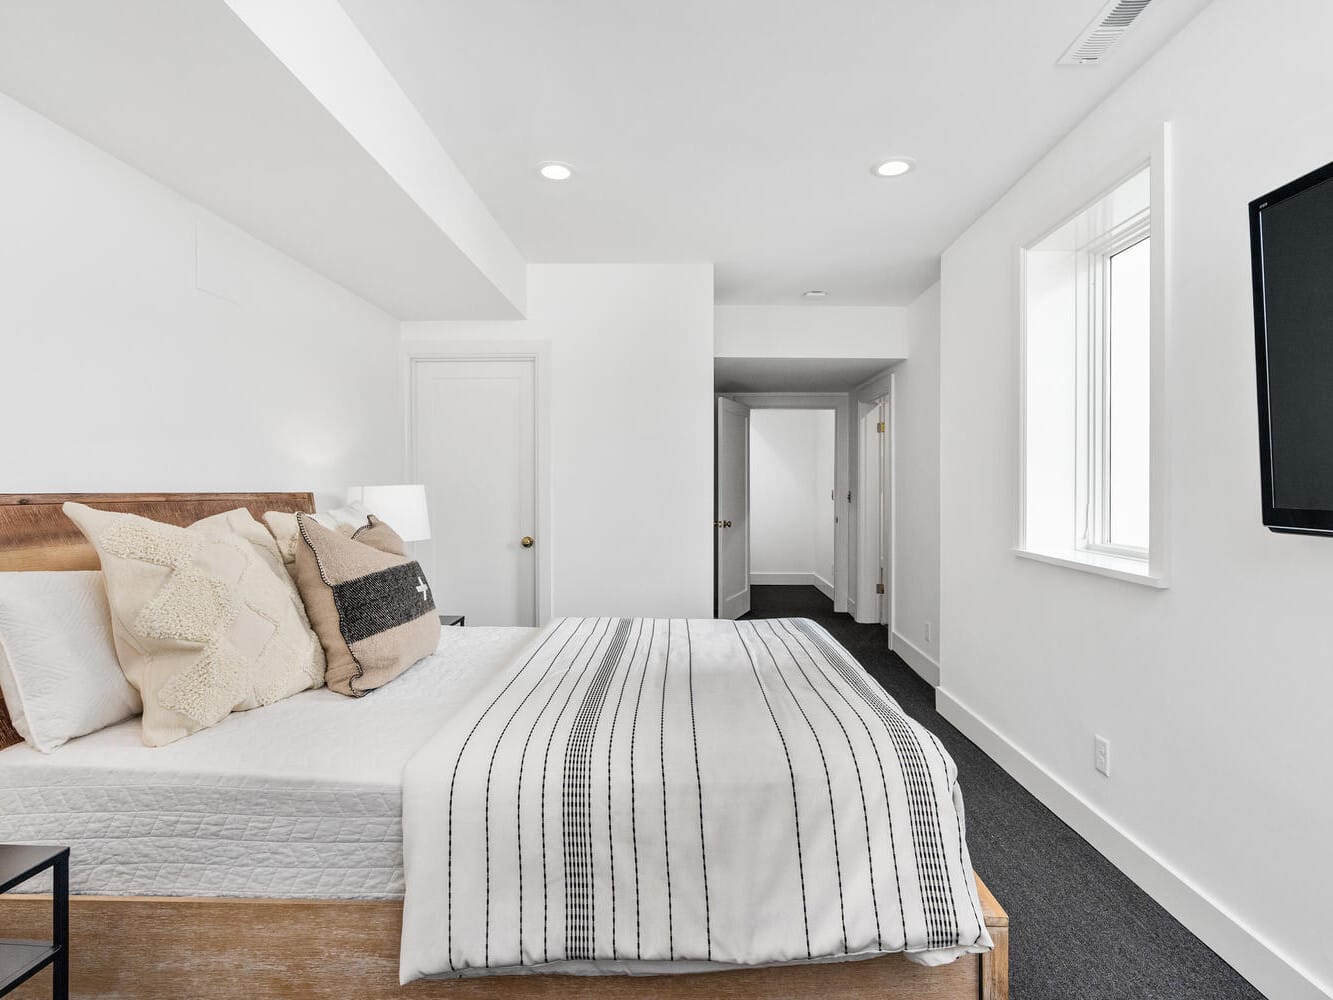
(401, 507)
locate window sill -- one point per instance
(1100, 564)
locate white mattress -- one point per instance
(301, 799)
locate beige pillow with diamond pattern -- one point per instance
(205, 618)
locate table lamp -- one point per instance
(402, 507)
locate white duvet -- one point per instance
(643, 796)
(300, 799)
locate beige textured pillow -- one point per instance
(205, 619)
(369, 604)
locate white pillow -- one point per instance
(346, 520)
(58, 668)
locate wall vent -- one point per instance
(1107, 28)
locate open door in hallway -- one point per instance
(732, 525)
(874, 535)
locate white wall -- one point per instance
(791, 502)
(811, 331)
(318, 43)
(1214, 693)
(627, 430)
(916, 479)
(147, 345)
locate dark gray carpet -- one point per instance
(1080, 929)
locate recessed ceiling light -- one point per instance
(815, 293)
(555, 171)
(893, 167)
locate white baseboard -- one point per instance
(783, 579)
(926, 668)
(823, 586)
(1272, 972)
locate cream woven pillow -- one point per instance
(205, 618)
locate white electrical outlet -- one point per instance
(1101, 754)
(927, 631)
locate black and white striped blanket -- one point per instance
(641, 795)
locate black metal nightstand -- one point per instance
(21, 960)
(453, 619)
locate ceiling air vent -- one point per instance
(1107, 28)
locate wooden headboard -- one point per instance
(35, 534)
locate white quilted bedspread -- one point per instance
(300, 799)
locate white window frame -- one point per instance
(1154, 571)
(1094, 458)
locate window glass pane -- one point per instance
(1128, 350)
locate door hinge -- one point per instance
(880, 428)
(879, 588)
(849, 496)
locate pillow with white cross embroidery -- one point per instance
(369, 604)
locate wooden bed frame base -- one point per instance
(147, 948)
(155, 948)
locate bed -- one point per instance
(268, 803)
(213, 895)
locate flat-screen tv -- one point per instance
(1291, 248)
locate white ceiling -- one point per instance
(184, 91)
(742, 131)
(794, 374)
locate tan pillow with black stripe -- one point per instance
(369, 604)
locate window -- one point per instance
(1088, 338)
(1116, 466)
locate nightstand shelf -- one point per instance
(21, 960)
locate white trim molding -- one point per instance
(1100, 564)
(920, 662)
(793, 580)
(839, 403)
(877, 385)
(782, 579)
(1255, 958)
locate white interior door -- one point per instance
(474, 447)
(872, 517)
(886, 513)
(732, 526)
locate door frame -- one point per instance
(883, 387)
(719, 403)
(876, 505)
(841, 405)
(424, 351)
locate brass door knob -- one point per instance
(526, 541)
